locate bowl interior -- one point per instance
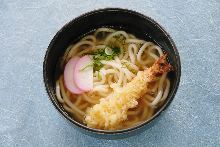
(129, 21)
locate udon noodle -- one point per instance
(135, 55)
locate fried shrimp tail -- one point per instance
(112, 110)
(161, 66)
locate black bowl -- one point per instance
(135, 23)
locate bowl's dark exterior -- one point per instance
(130, 21)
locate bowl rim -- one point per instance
(52, 97)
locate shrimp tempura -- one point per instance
(112, 110)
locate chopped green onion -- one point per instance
(108, 51)
(99, 76)
(89, 65)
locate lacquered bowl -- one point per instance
(130, 21)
